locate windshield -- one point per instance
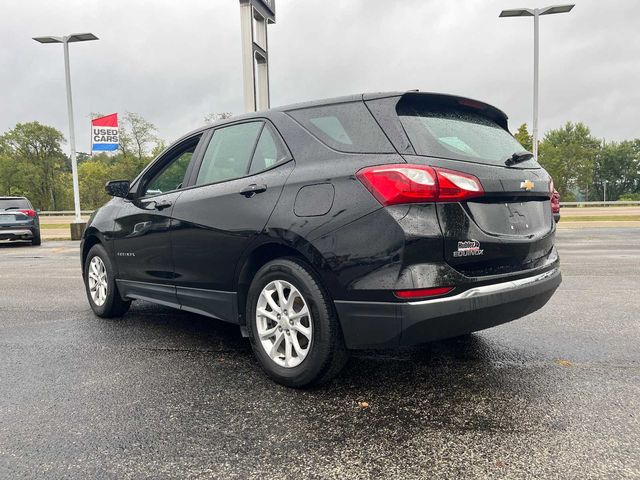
(460, 135)
(14, 203)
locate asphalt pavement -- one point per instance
(166, 394)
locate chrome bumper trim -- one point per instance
(493, 288)
(20, 232)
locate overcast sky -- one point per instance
(175, 61)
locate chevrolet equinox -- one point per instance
(368, 221)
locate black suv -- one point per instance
(368, 221)
(19, 220)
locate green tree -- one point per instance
(82, 157)
(64, 187)
(34, 152)
(617, 164)
(12, 173)
(569, 154)
(33, 164)
(137, 136)
(630, 197)
(158, 149)
(92, 176)
(524, 137)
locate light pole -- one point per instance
(535, 13)
(604, 184)
(75, 37)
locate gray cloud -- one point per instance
(174, 62)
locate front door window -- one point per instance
(171, 176)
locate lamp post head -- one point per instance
(74, 37)
(48, 39)
(557, 9)
(81, 37)
(518, 12)
(530, 12)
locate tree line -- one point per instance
(582, 166)
(33, 164)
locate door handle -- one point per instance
(162, 204)
(252, 190)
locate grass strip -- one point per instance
(600, 218)
(57, 226)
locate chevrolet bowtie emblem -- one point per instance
(527, 185)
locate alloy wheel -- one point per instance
(283, 322)
(97, 281)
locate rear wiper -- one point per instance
(518, 157)
(12, 208)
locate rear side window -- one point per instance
(346, 127)
(229, 153)
(269, 151)
(459, 134)
(14, 204)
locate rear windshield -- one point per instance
(14, 203)
(346, 127)
(460, 135)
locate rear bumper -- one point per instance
(16, 234)
(389, 324)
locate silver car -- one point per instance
(19, 220)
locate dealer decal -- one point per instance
(468, 248)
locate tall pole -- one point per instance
(536, 17)
(536, 13)
(72, 133)
(77, 227)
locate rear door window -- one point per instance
(346, 127)
(459, 134)
(229, 153)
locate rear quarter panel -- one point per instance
(345, 239)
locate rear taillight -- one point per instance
(457, 186)
(552, 196)
(29, 213)
(422, 293)
(406, 183)
(393, 184)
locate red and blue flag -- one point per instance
(104, 133)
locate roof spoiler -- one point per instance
(453, 101)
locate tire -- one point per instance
(36, 240)
(326, 353)
(111, 304)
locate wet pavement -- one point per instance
(165, 394)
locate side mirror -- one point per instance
(117, 188)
